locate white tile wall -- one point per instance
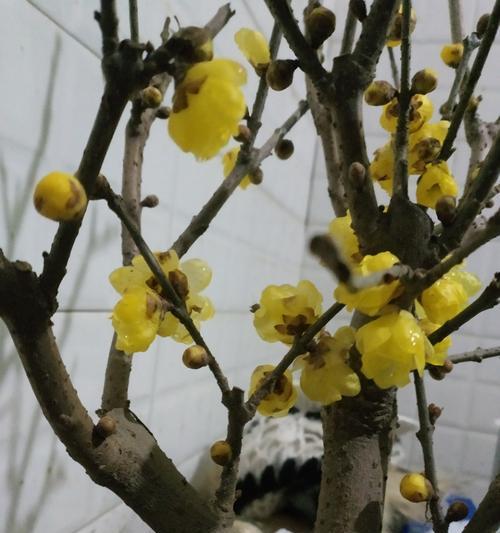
(260, 237)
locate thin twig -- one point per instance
(456, 23)
(298, 347)
(394, 67)
(475, 73)
(400, 183)
(134, 20)
(349, 32)
(116, 204)
(475, 356)
(424, 435)
(201, 221)
(108, 22)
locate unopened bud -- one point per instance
(446, 209)
(447, 366)
(284, 149)
(279, 74)
(243, 134)
(163, 112)
(256, 176)
(452, 54)
(424, 81)
(434, 412)
(358, 7)
(379, 92)
(457, 511)
(474, 103)
(395, 31)
(151, 96)
(357, 173)
(150, 201)
(221, 452)
(106, 426)
(416, 488)
(195, 357)
(179, 282)
(482, 24)
(320, 24)
(436, 372)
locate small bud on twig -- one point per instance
(195, 357)
(163, 112)
(446, 209)
(357, 173)
(256, 176)
(482, 24)
(456, 511)
(424, 81)
(379, 92)
(106, 426)
(284, 149)
(151, 200)
(320, 24)
(279, 74)
(151, 96)
(221, 452)
(243, 134)
(434, 412)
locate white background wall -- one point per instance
(51, 78)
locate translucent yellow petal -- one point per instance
(198, 273)
(254, 46)
(341, 230)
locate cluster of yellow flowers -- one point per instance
(143, 311)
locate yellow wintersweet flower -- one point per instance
(452, 54)
(438, 353)
(136, 318)
(60, 197)
(208, 106)
(434, 183)
(282, 397)
(425, 144)
(340, 229)
(326, 376)
(382, 167)
(136, 281)
(371, 300)
(421, 110)
(229, 162)
(394, 32)
(449, 295)
(286, 311)
(254, 47)
(391, 347)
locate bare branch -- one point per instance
(219, 20)
(349, 34)
(394, 67)
(108, 22)
(486, 519)
(477, 356)
(134, 20)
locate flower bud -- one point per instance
(434, 412)
(151, 96)
(195, 357)
(279, 74)
(221, 452)
(416, 488)
(436, 372)
(379, 92)
(179, 282)
(451, 54)
(150, 201)
(163, 112)
(457, 511)
(394, 33)
(106, 426)
(320, 24)
(256, 176)
(482, 24)
(424, 81)
(447, 366)
(60, 197)
(243, 134)
(446, 209)
(284, 149)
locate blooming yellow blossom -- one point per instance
(452, 54)
(394, 32)
(286, 311)
(228, 163)
(371, 300)
(449, 295)
(340, 229)
(134, 322)
(254, 47)
(425, 144)
(208, 106)
(391, 347)
(382, 167)
(282, 397)
(434, 183)
(326, 376)
(421, 110)
(439, 351)
(60, 197)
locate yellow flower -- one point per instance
(254, 47)
(136, 318)
(189, 278)
(425, 144)
(437, 354)
(434, 183)
(286, 311)
(229, 162)
(391, 347)
(371, 300)
(449, 295)
(451, 54)
(382, 167)
(282, 397)
(208, 106)
(340, 229)
(326, 376)
(396, 25)
(421, 110)
(60, 197)
(415, 488)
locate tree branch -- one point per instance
(486, 519)
(476, 356)
(133, 20)
(394, 67)
(108, 22)
(349, 34)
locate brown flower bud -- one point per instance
(357, 173)
(457, 511)
(179, 282)
(243, 134)
(163, 112)
(395, 30)
(221, 452)
(106, 426)
(424, 81)
(482, 24)
(447, 366)
(151, 96)
(279, 74)
(320, 24)
(150, 201)
(379, 92)
(195, 357)
(256, 176)
(446, 209)
(284, 149)
(436, 372)
(434, 412)
(358, 7)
